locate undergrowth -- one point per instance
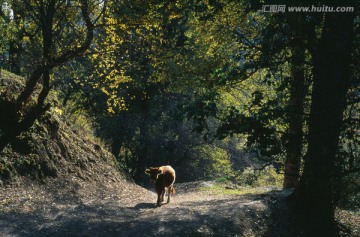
(221, 189)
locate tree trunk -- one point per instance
(295, 118)
(28, 120)
(314, 195)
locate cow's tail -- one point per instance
(172, 191)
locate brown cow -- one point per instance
(161, 178)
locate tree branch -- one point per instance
(67, 56)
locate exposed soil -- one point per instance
(119, 208)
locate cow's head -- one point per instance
(153, 172)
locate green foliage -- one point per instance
(263, 178)
(349, 191)
(161, 69)
(221, 180)
(6, 170)
(247, 178)
(215, 162)
(224, 189)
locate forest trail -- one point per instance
(129, 210)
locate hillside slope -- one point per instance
(53, 147)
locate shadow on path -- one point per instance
(257, 215)
(144, 206)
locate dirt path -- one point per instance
(129, 210)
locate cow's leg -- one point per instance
(162, 195)
(169, 190)
(159, 199)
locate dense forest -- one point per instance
(218, 89)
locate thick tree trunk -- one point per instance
(315, 193)
(295, 118)
(28, 120)
(49, 61)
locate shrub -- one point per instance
(255, 178)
